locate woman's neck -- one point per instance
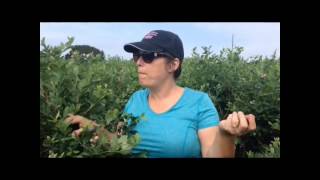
(164, 91)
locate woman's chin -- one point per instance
(144, 84)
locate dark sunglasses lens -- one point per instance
(148, 58)
(136, 57)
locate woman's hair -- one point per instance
(177, 72)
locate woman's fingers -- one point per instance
(238, 123)
(235, 120)
(251, 122)
(83, 123)
(224, 124)
(77, 132)
(76, 119)
(69, 118)
(73, 119)
(243, 123)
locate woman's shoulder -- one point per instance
(140, 93)
(201, 98)
(195, 93)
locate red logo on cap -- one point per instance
(150, 35)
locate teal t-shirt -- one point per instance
(173, 133)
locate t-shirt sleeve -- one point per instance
(207, 113)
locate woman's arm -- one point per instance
(216, 143)
(219, 141)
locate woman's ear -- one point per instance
(174, 65)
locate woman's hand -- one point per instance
(92, 125)
(238, 124)
(82, 122)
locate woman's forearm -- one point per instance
(223, 146)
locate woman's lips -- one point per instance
(142, 73)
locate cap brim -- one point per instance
(139, 46)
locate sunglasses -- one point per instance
(149, 57)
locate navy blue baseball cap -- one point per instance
(158, 41)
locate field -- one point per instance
(98, 89)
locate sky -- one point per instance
(256, 38)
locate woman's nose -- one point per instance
(140, 61)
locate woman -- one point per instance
(180, 122)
